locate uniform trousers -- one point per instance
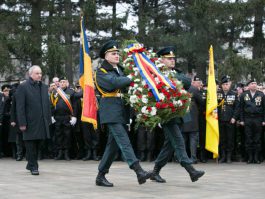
(227, 136)
(117, 139)
(174, 142)
(253, 131)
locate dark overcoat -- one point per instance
(33, 109)
(196, 103)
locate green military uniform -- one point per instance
(113, 112)
(174, 141)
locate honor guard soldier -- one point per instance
(64, 117)
(111, 82)
(252, 116)
(227, 118)
(174, 141)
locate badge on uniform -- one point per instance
(258, 101)
(247, 98)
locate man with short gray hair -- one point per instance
(33, 115)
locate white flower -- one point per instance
(143, 82)
(139, 116)
(133, 99)
(144, 110)
(179, 103)
(162, 96)
(140, 89)
(135, 69)
(144, 99)
(183, 91)
(153, 111)
(135, 85)
(137, 80)
(126, 50)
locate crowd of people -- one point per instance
(51, 116)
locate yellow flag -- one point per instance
(212, 128)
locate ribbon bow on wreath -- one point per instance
(148, 70)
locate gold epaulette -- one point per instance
(102, 92)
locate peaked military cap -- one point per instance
(109, 46)
(250, 81)
(166, 52)
(63, 78)
(196, 78)
(240, 85)
(225, 79)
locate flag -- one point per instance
(89, 111)
(212, 128)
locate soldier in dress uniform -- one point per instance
(174, 141)
(227, 118)
(111, 82)
(64, 117)
(202, 124)
(252, 116)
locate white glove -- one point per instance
(159, 125)
(53, 120)
(73, 121)
(129, 76)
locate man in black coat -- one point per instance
(227, 118)
(252, 117)
(64, 115)
(33, 115)
(190, 129)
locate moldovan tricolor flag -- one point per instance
(89, 111)
(212, 128)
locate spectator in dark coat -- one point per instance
(191, 129)
(33, 115)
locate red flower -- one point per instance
(171, 105)
(173, 109)
(146, 86)
(149, 108)
(132, 84)
(158, 105)
(164, 105)
(150, 94)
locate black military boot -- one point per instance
(59, 156)
(256, 157)
(194, 174)
(155, 175)
(88, 155)
(102, 181)
(142, 175)
(66, 155)
(223, 157)
(250, 157)
(228, 157)
(150, 156)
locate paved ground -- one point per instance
(76, 179)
